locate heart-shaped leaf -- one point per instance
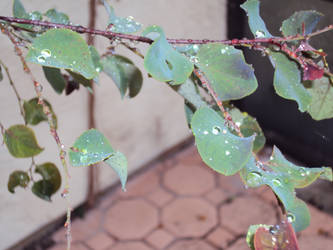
(163, 62)
(33, 112)
(64, 49)
(18, 178)
(287, 81)
(21, 141)
(43, 189)
(217, 146)
(50, 173)
(257, 25)
(228, 73)
(90, 148)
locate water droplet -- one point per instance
(62, 146)
(271, 158)
(84, 151)
(41, 59)
(302, 171)
(223, 51)
(274, 229)
(205, 132)
(194, 59)
(254, 179)
(291, 218)
(210, 159)
(276, 182)
(260, 34)
(224, 131)
(226, 142)
(238, 124)
(227, 152)
(195, 48)
(46, 53)
(216, 130)
(98, 69)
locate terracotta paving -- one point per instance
(180, 204)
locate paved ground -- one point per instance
(180, 204)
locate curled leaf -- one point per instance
(18, 178)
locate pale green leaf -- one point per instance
(163, 62)
(217, 146)
(228, 73)
(257, 25)
(118, 162)
(287, 81)
(298, 215)
(57, 17)
(21, 141)
(62, 48)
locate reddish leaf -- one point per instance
(311, 72)
(278, 237)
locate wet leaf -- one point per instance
(228, 73)
(257, 25)
(163, 62)
(90, 148)
(124, 74)
(248, 126)
(21, 141)
(50, 173)
(217, 146)
(62, 48)
(118, 162)
(55, 78)
(300, 176)
(321, 106)
(43, 189)
(287, 81)
(20, 12)
(298, 215)
(18, 178)
(120, 24)
(293, 25)
(57, 17)
(18, 9)
(81, 80)
(33, 112)
(96, 60)
(190, 93)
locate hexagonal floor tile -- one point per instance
(130, 246)
(245, 211)
(240, 244)
(131, 219)
(189, 179)
(189, 217)
(190, 245)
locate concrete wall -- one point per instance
(141, 128)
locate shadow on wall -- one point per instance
(294, 132)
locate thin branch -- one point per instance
(112, 35)
(11, 82)
(218, 101)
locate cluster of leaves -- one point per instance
(299, 75)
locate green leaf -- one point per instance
(287, 81)
(90, 148)
(50, 173)
(217, 146)
(190, 93)
(298, 215)
(293, 25)
(81, 79)
(21, 141)
(96, 60)
(18, 178)
(257, 25)
(228, 73)
(189, 112)
(1, 76)
(300, 176)
(248, 126)
(118, 162)
(43, 189)
(62, 48)
(57, 17)
(33, 112)
(119, 24)
(321, 106)
(163, 62)
(123, 73)
(55, 78)
(18, 9)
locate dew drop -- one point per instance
(223, 51)
(216, 130)
(46, 53)
(224, 131)
(254, 179)
(276, 182)
(302, 171)
(271, 158)
(98, 69)
(41, 59)
(227, 152)
(260, 34)
(291, 218)
(195, 48)
(226, 141)
(205, 132)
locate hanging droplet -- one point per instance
(216, 130)
(276, 182)
(41, 59)
(260, 34)
(195, 48)
(254, 179)
(302, 171)
(46, 53)
(291, 218)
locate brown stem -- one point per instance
(93, 171)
